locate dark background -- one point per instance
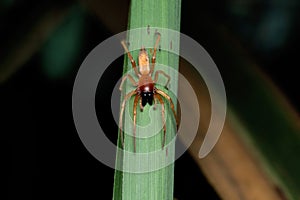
(43, 155)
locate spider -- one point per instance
(145, 91)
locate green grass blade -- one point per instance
(156, 184)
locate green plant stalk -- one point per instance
(155, 184)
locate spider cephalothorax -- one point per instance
(145, 92)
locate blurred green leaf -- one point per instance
(6, 3)
(270, 122)
(61, 51)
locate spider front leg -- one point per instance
(162, 93)
(136, 100)
(156, 96)
(141, 106)
(155, 102)
(127, 96)
(163, 73)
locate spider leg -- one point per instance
(141, 106)
(136, 100)
(127, 96)
(131, 59)
(154, 53)
(166, 96)
(163, 117)
(128, 76)
(155, 102)
(163, 73)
